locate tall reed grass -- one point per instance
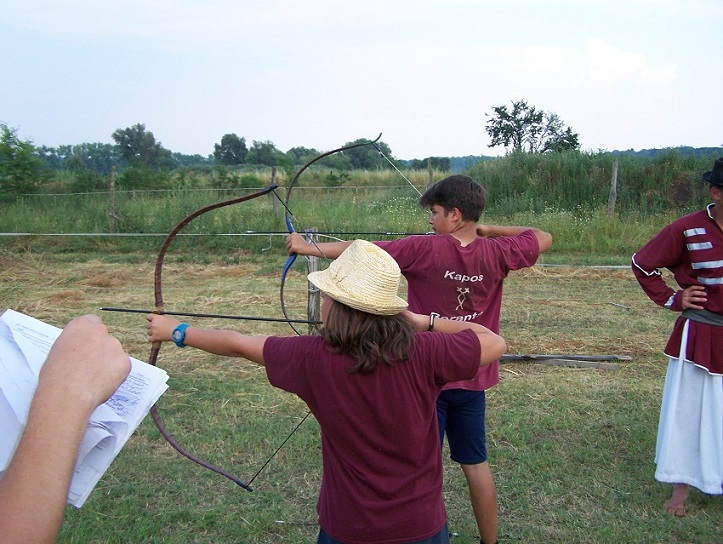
(573, 181)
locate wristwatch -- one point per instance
(179, 335)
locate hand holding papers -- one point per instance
(24, 345)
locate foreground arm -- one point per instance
(544, 239)
(83, 369)
(295, 243)
(493, 345)
(216, 341)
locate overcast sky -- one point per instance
(624, 74)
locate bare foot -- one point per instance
(675, 505)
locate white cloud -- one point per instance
(604, 64)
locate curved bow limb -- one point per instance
(287, 215)
(159, 303)
(287, 266)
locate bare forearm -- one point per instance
(329, 250)
(295, 243)
(493, 231)
(544, 239)
(34, 490)
(227, 343)
(493, 345)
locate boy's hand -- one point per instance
(160, 327)
(295, 243)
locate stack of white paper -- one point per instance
(24, 346)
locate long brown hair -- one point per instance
(369, 338)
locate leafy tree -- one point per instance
(54, 158)
(337, 161)
(438, 163)
(21, 169)
(555, 137)
(302, 155)
(96, 157)
(266, 154)
(184, 161)
(231, 151)
(140, 148)
(525, 128)
(367, 157)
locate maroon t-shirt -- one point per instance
(462, 283)
(382, 471)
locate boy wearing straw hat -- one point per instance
(371, 379)
(689, 448)
(457, 275)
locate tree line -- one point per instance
(142, 162)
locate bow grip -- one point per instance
(292, 256)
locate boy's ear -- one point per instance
(455, 214)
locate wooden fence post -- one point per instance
(274, 200)
(313, 307)
(612, 197)
(112, 215)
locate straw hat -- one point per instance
(364, 277)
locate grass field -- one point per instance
(571, 448)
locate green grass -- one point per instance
(580, 235)
(571, 449)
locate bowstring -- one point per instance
(395, 167)
(321, 252)
(308, 412)
(301, 227)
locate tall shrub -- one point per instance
(21, 170)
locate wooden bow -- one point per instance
(159, 303)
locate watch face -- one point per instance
(177, 335)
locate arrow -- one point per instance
(220, 316)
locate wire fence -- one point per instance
(141, 192)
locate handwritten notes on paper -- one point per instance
(24, 346)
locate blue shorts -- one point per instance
(442, 537)
(461, 415)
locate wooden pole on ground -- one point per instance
(313, 308)
(578, 361)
